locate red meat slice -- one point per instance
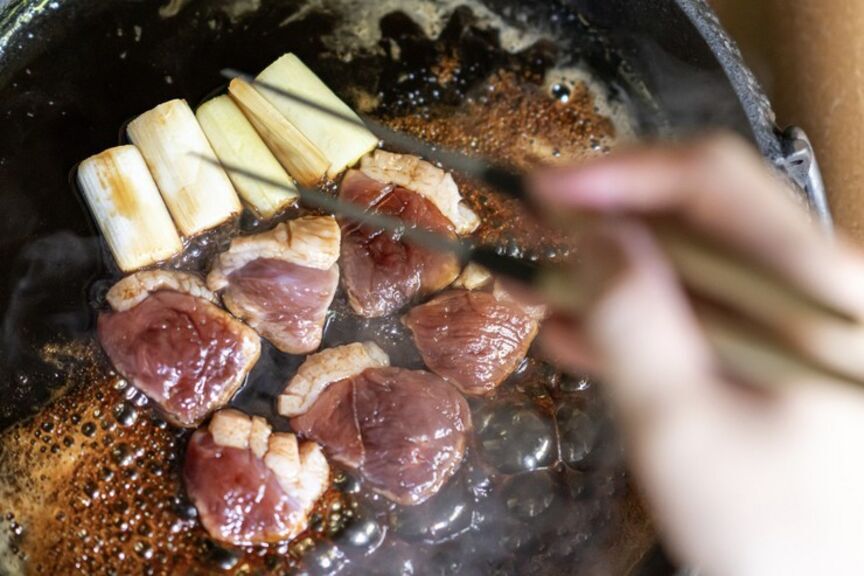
(186, 354)
(404, 431)
(383, 274)
(285, 302)
(241, 499)
(473, 340)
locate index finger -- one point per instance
(722, 187)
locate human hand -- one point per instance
(739, 481)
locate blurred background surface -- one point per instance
(809, 56)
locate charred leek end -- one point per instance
(342, 143)
(303, 160)
(198, 194)
(127, 207)
(237, 143)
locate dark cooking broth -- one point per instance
(91, 484)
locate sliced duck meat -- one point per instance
(282, 282)
(134, 289)
(403, 431)
(473, 277)
(168, 338)
(473, 339)
(425, 179)
(382, 274)
(249, 484)
(327, 366)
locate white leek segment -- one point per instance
(127, 207)
(236, 143)
(303, 160)
(341, 142)
(198, 194)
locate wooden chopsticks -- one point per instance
(761, 328)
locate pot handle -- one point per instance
(798, 161)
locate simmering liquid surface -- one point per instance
(91, 484)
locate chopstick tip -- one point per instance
(232, 73)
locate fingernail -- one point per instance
(584, 187)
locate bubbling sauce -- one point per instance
(92, 483)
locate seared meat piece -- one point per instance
(474, 340)
(473, 277)
(404, 431)
(283, 281)
(171, 342)
(252, 486)
(310, 241)
(134, 289)
(325, 367)
(425, 179)
(287, 304)
(381, 273)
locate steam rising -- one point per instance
(47, 302)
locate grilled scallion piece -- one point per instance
(238, 144)
(127, 207)
(199, 195)
(343, 144)
(303, 160)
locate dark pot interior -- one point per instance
(71, 75)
